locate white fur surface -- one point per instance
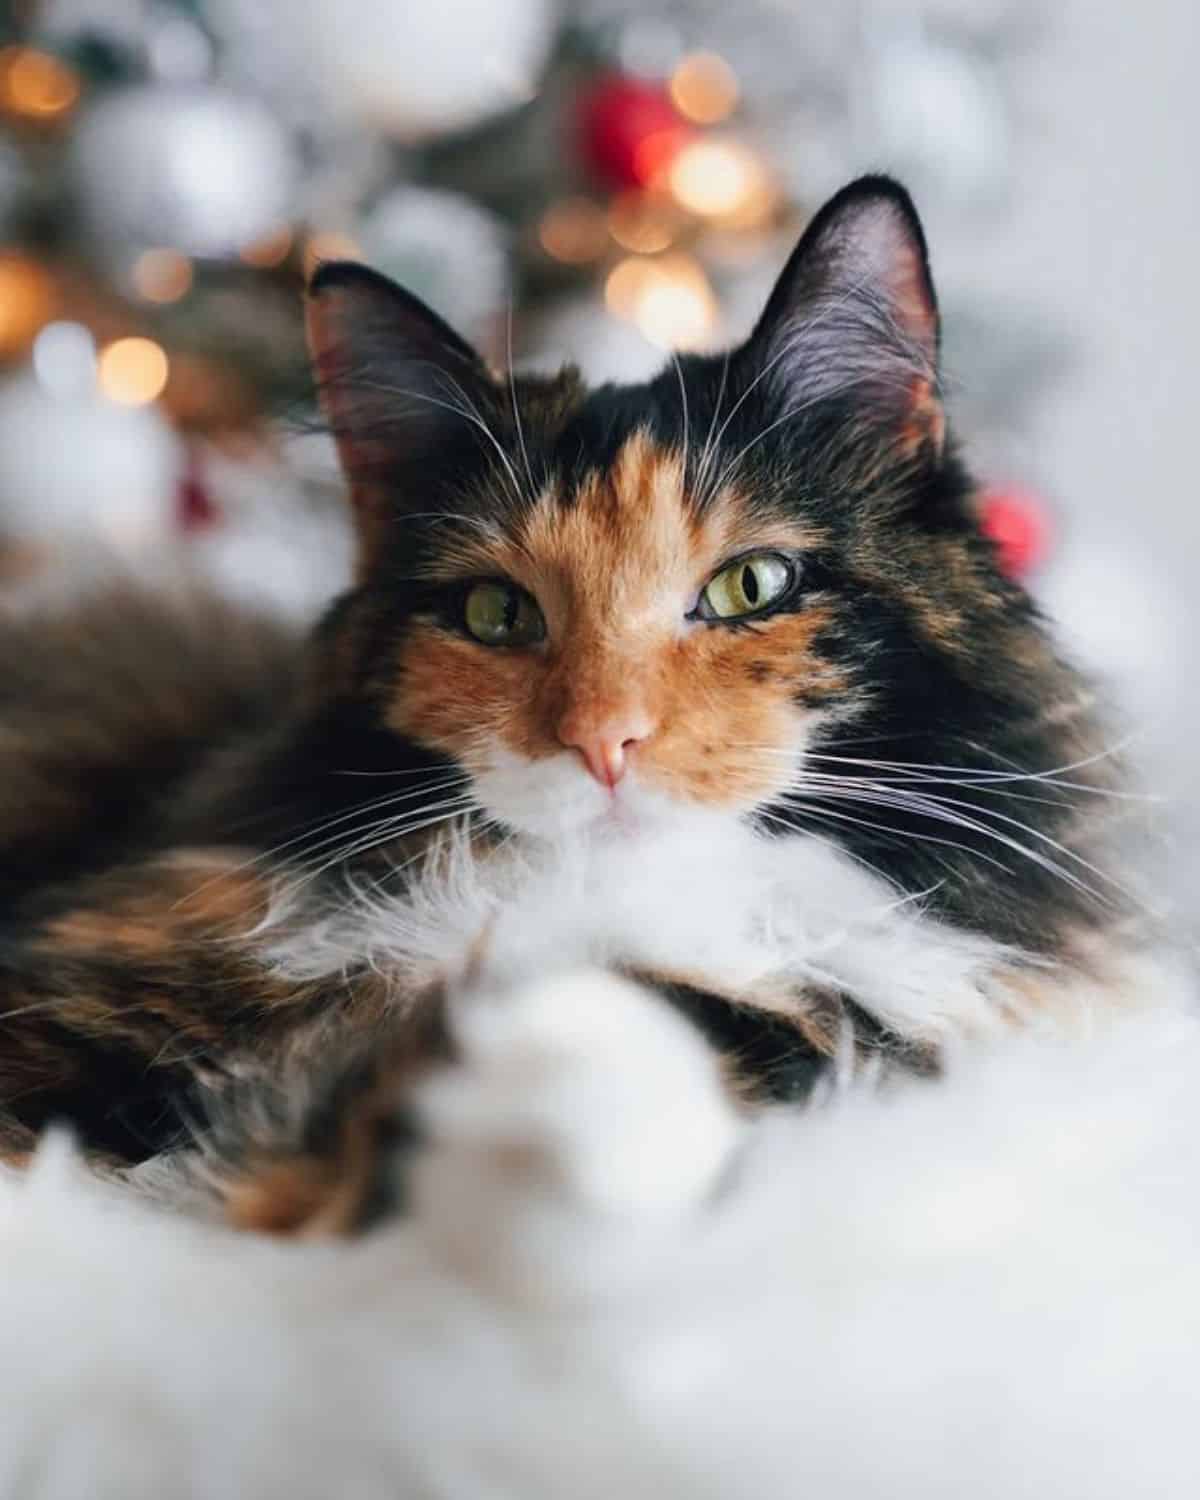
(610, 1285)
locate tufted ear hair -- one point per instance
(854, 315)
(397, 387)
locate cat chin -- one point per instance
(555, 799)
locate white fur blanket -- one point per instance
(611, 1286)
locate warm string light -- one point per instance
(676, 314)
(162, 275)
(722, 180)
(624, 284)
(574, 231)
(133, 371)
(667, 297)
(704, 88)
(34, 85)
(642, 222)
(268, 250)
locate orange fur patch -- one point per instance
(616, 568)
(186, 896)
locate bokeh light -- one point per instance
(27, 300)
(667, 297)
(717, 178)
(36, 85)
(133, 371)
(704, 88)
(574, 231)
(269, 249)
(64, 359)
(642, 222)
(162, 275)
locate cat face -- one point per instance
(601, 657)
(614, 605)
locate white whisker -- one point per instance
(684, 403)
(512, 388)
(322, 826)
(706, 454)
(900, 799)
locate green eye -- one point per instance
(746, 587)
(500, 614)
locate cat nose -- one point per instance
(605, 743)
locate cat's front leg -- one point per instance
(568, 1098)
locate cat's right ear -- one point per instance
(854, 316)
(395, 383)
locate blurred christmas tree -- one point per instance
(597, 180)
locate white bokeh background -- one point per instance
(1106, 231)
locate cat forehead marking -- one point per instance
(625, 527)
(630, 535)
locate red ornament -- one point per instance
(629, 131)
(1018, 523)
(196, 509)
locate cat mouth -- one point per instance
(631, 811)
(558, 799)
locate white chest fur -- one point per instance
(707, 896)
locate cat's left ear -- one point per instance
(854, 315)
(401, 391)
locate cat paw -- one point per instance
(578, 1101)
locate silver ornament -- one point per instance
(79, 467)
(445, 249)
(417, 71)
(200, 169)
(582, 331)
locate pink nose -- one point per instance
(604, 744)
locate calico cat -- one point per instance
(749, 597)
